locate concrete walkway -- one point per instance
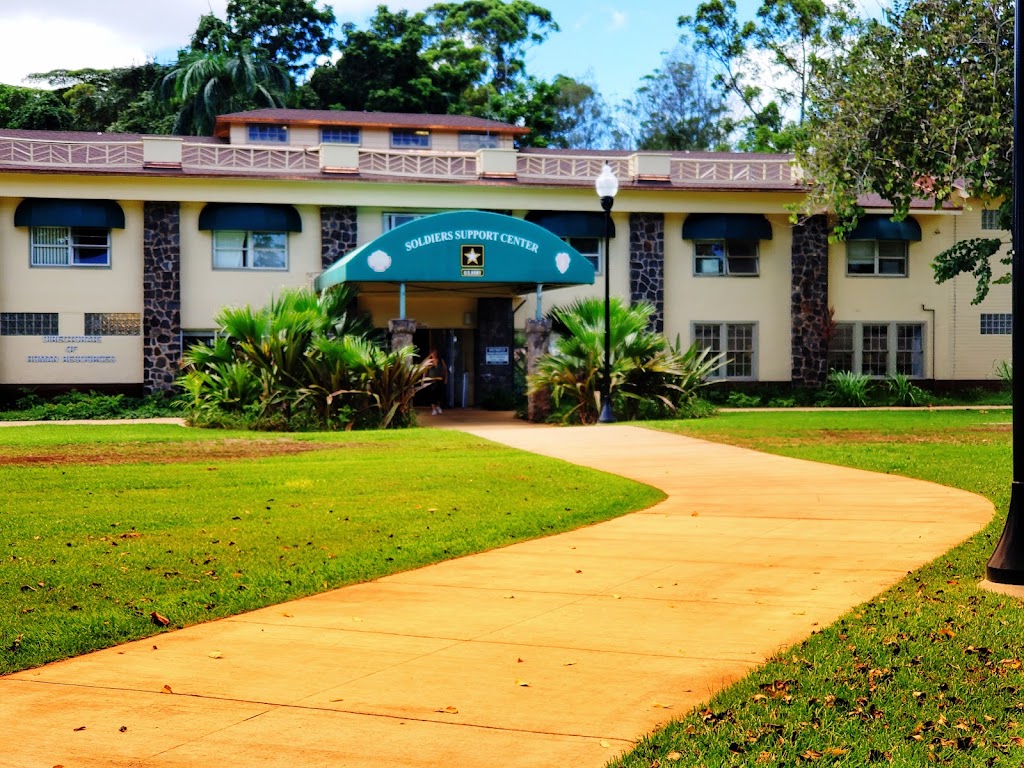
(555, 652)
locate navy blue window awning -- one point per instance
(55, 212)
(571, 223)
(726, 226)
(878, 226)
(250, 217)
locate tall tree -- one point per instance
(291, 33)
(794, 36)
(390, 67)
(919, 108)
(581, 115)
(205, 84)
(502, 31)
(676, 108)
(119, 100)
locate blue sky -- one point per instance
(611, 43)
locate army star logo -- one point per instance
(472, 258)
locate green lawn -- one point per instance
(101, 526)
(928, 673)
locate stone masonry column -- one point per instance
(338, 233)
(538, 333)
(401, 332)
(161, 296)
(647, 263)
(809, 310)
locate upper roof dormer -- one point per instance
(374, 130)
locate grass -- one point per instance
(930, 672)
(102, 526)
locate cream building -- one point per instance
(118, 250)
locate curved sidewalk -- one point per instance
(558, 651)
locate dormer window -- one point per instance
(342, 135)
(268, 134)
(410, 138)
(470, 141)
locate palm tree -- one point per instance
(645, 368)
(221, 80)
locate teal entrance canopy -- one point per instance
(464, 250)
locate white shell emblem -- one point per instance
(562, 261)
(378, 261)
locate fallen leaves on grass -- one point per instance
(159, 619)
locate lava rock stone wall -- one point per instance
(161, 320)
(338, 233)
(647, 263)
(811, 318)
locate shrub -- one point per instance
(846, 389)
(648, 375)
(742, 400)
(902, 391)
(1004, 372)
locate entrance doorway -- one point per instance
(450, 345)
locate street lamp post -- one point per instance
(1006, 566)
(607, 185)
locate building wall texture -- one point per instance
(647, 263)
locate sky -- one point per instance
(609, 43)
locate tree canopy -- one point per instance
(919, 107)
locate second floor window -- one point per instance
(876, 257)
(268, 134)
(250, 250)
(343, 135)
(471, 142)
(408, 138)
(70, 247)
(726, 257)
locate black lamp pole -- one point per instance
(607, 185)
(1006, 566)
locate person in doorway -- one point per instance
(439, 373)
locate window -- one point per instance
(250, 250)
(113, 324)
(876, 257)
(471, 142)
(740, 347)
(590, 248)
(70, 247)
(392, 220)
(726, 257)
(998, 324)
(990, 218)
(272, 134)
(28, 323)
(339, 135)
(404, 138)
(878, 349)
(190, 338)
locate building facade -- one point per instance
(117, 251)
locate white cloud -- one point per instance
(619, 19)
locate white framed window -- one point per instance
(878, 349)
(590, 248)
(250, 250)
(392, 220)
(470, 141)
(884, 258)
(738, 341)
(726, 257)
(339, 135)
(410, 138)
(70, 247)
(268, 134)
(996, 323)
